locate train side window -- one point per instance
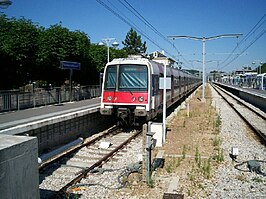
(110, 78)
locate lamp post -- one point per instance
(259, 67)
(204, 39)
(107, 41)
(5, 3)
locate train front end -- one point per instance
(125, 91)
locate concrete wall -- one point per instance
(253, 98)
(256, 100)
(19, 175)
(59, 130)
(57, 134)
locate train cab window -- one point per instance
(133, 77)
(110, 78)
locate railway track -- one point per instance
(253, 117)
(60, 173)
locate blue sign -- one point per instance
(70, 65)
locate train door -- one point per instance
(185, 84)
(179, 85)
(263, 83)
(155, 92)
(172, 88)
(161, 94)
(109, 84)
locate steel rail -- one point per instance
(256, 130)
(84, 173)
(74, 149)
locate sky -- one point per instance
(156, 20)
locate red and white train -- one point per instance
(130, 89)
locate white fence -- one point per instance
(16, 100)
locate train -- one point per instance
(247, 80)
(131, 92)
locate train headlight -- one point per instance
(109, 98)
(141, 98)
(133, 99)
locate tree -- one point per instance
(29, 52)
(133, 44)
(18, 44)
(57, 44)
(98, 55)
(263, 68)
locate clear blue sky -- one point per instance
(199, 18)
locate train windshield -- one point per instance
(133, 78)
(110, 78)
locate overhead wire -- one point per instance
(244, 39)
(252, 32)
(248, 46)
(134, 26)
(128, 21)
(223, 64)
(145, 21)
(131, 24)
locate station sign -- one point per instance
(168, 83)
(69, 65)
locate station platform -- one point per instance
(55, 125)
(253, 96)
(15, 118)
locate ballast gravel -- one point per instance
(226, 182)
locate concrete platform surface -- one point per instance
(19, 175)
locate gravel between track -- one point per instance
(198, 132)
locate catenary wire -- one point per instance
(255, 28)
(127, 21)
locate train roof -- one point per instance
(156, 67)
(263, 74)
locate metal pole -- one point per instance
(107, 40)
(18, 102)
(203, 68)
(204, 39)
(144, 153)
(70, 84)
(33, 93)
(164, 103)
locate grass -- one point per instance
(257, 179)
(217, 142)
(172, 164)
(196, 133)
(184, 152)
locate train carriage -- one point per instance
(131, 93)
(261, 81)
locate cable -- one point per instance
(247, 47)
(252, 165)
(244, 40)
(146, 22)
(122, 177)
(133, 25)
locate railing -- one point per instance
(17, 100)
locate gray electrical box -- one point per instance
(150, 142)
(158, 129)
